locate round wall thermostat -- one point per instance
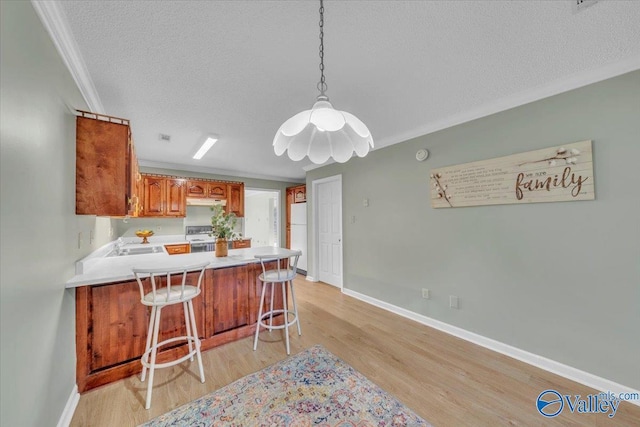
(422, 155)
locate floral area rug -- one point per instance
(311, 388)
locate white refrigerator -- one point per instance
(299, 232)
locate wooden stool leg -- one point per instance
(295, 306)
(154, 351)
(187, 325)
(196, 339)
(255, 341)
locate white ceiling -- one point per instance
(239, 69)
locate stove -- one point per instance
(198, 233)
(199, 237)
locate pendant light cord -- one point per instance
(322, 85)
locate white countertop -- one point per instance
(97, 268)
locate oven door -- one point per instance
(198, 247)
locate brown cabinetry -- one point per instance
(241, 244)
(218, 191)
(229, 301)
(235, 199)
(183, 248)
(207, 189)
(111, 330)
(163, 196)
(106, 166)
(111, 323)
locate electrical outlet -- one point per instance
(91, 237)
(580, 5)
(453, 301)
(353, 219)
(79, 239)
(365, 203)
(425, 293)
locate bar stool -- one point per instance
(283, 276)
(165, 292)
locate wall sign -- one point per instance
(555, 174)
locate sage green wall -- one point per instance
(39, 228)
(561, 280)
(248, 183)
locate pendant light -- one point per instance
(323, 132)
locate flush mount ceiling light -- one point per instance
(208, 143)
(322, 132)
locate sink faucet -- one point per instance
(119, 245)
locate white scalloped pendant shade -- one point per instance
(323, 133)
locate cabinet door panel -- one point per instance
(102, 167)
(230, 298)
(197, 188)
(217, 190)
(154, 189)
(175, 197)
(118, 322)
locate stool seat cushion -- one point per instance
(277, 276)
(174, 294)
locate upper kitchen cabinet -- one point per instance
(218, 191)
(207, 189)
(164, 196)
(300, 194)
(235, 199)
(106, 166)
(197, 188)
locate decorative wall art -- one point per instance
(556, 174)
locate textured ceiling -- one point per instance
(239, 69)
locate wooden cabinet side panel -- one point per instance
(235, 199)
(83, 337)
(230, 298)
(102, 156)
(288, 217)
(118, 322)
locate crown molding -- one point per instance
(556, 87)
(212, 171)
(55, 22)
(566, 84)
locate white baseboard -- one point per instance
(311, 279)
(70, 408)
(577, 375)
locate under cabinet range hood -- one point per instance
(201, 201)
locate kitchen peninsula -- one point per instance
(111, 323)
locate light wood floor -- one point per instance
(446, 380)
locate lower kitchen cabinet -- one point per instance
(178, 249)
(111, 323)
(241, 244)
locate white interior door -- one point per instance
(329, 200)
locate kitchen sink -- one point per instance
(139, 250)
